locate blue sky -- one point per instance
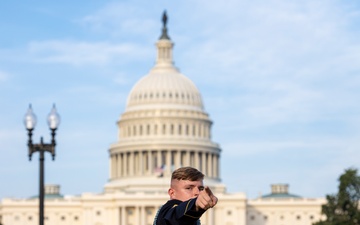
(280, 79)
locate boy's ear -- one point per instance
(171, 193)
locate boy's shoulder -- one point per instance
(170, 204)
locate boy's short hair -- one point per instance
(187, 173)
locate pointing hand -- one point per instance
(206, 199)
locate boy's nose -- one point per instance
(196, 191)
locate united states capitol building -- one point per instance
(164, 126)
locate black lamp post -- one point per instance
(30, 122)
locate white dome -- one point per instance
(164, 86)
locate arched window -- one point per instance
(164, 129)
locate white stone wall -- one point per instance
(114, 209)
(284, 211)
(140, 209)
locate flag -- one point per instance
(159, 171)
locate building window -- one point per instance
(229, 212)
(98, 213)
(30, 218)
(149, 212)
(171, 129)
(281, 217)
(76, 218)
(311, 217)
(298, 217)
(265, 217)
(252, 217)
(63, 218)
(164, 129)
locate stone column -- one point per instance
(125, 158)
(187, 158)
(150, 162)
(142, 215)
(178, 159)
(112, 162)
(203, 160)
(209, 165)
(168, 162)
(215, 164)
(118, 165)
(159, 156)
(123, 215)
(210, 219)
(218, 165)
(137, 215)
(135, 163)
(196, 159)
(141, 162)
(131, 164)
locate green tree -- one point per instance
(343, 208)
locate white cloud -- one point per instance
(121, 19)
(3, 76)
(344, 148)
(80, 53)
(121, 79)
(275, 42)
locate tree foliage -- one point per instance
(343, 208)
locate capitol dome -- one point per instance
(164, 86)
(164, 127)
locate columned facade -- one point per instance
(145, 162)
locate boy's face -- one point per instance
(184, 190)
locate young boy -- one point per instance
(189, 199)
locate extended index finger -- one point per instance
(214, 199)
(208, 191)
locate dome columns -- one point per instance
(162, 162)
(164, 52)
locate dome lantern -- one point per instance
(164, 48)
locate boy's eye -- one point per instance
(201, 188)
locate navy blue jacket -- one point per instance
(176, 212)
